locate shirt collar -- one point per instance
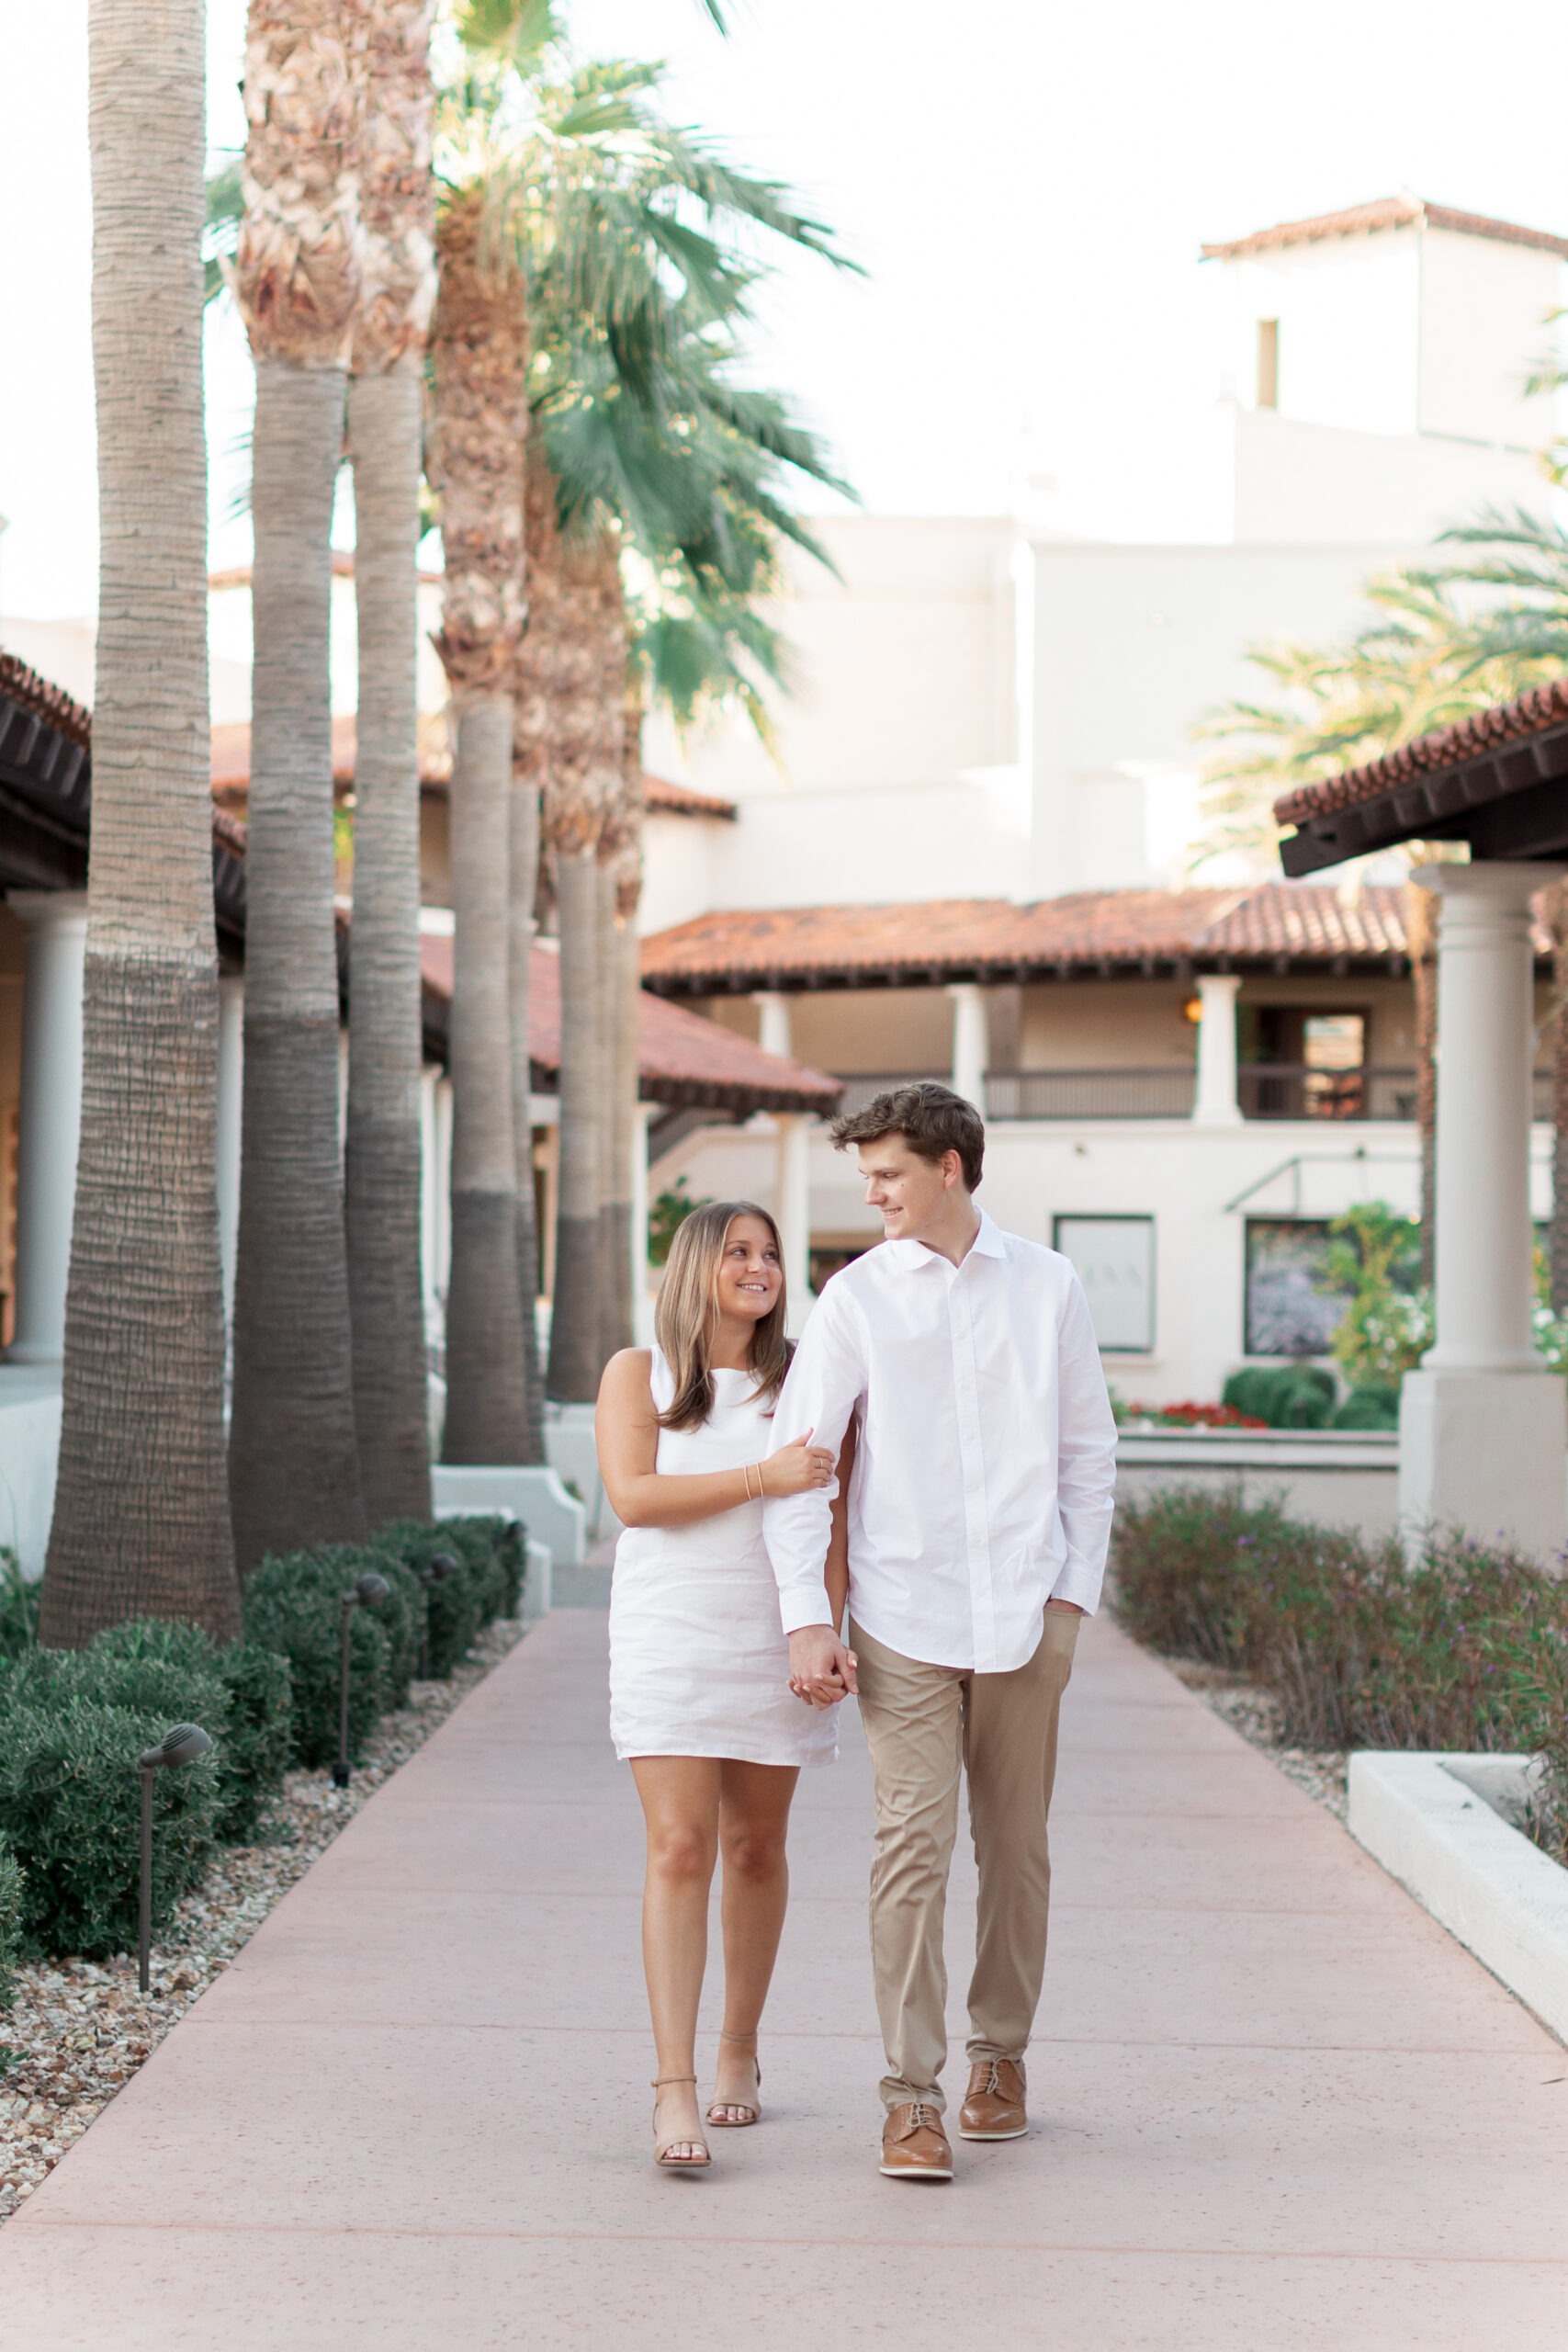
(987, 1243)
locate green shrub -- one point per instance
(10, 1921)
(1287, 1395)
(1371, 1407)
(134, 1668)
(292, 1605)
(493, 1549)
(1360, 1647)
(19, 1605)
(258, 1740)
(457, 1600)
(70, 1806)
(239, 1694)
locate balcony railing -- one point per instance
(1265, 1090)
(1090, 1093)
(1295, 1090)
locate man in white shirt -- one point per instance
(979, 1512)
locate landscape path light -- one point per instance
(369, 1590)
(443, 1564)
(181, 1746)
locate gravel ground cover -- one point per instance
(80, 2029)
(1322, 1772)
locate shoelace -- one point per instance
(920, 2114)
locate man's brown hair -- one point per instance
(931, 1118)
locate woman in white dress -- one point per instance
(700, 1702)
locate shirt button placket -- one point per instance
(972, 1454)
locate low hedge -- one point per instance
(20, 1598)
(10, 1921)
(251, 1724)
(1464, 1648)
(73, 1723)
(1302, 1396)
(71, 1809)
(292, 1605)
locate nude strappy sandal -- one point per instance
(662, 2156)
(752, 2110)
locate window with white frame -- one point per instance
(1114, 1257)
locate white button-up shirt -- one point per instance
(985, 1461)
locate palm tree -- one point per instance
(293, 1458)
(584, 766)
(142, 1512)
(481, 416)
(381, 1164)
(1431, 659)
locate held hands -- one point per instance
(796, 1467)
(821, 1670)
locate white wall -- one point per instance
(1349, 310)
(1484, 311)
(1131, 644)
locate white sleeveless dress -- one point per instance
(699, 1663)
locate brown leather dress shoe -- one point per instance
(993, 2106)
(914, 2145)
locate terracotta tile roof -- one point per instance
(1538, 712)
(1386, 212)
(951, 939)
(1311, 923)
(680, 800)
(682, 1058)
(30, 693)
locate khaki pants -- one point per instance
(921, 1722)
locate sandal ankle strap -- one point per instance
(657, 2082)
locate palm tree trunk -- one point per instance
(575, 1358)
(525, 869)
(480, 346)
(486, 1382)
(620, 852)
(382, 1160)
(293, 1458)
(579, 781)
(141, 1510)
(1421, 941)
(1556, 911)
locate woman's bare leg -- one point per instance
(681, 1804)
(754, 1823)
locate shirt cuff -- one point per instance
(1077, 1581)
(805, 1605)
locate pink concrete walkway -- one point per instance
(1277, 2106)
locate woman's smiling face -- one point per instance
(749, 1274)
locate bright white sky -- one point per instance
(1027, 185)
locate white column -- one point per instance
(970, 1045)
(50, 1118)
(792, 1196)
(642, 1296)
(1216, 1105)
(1483, 1425)
(231, 1092)
(773, 1036)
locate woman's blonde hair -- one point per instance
(685, 1321)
